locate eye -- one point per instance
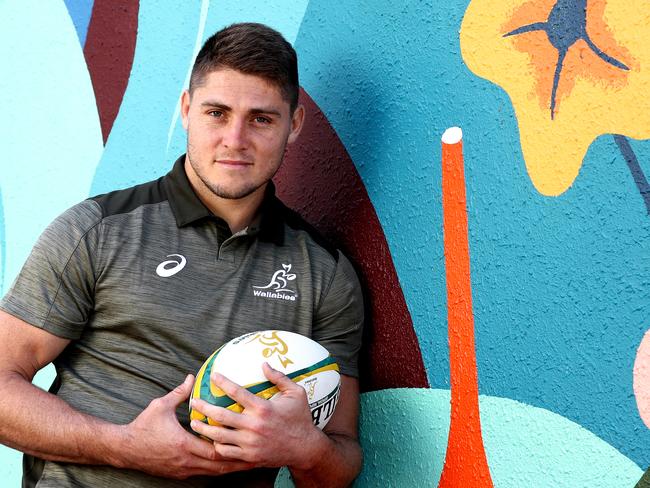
(215, 113)
(262, 120)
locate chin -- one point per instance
(233, 193)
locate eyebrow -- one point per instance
(226, 108)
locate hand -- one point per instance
(269, 433)
(157, 444)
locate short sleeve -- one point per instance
(338, 324)
(54, 289)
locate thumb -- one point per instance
(179, 394)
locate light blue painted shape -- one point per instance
(283, 15)
(51, 137)
(529, 446)
(49, 122)
(559, 284)
(80, 12)
(404, 432)
(3, 246)
(11, 470)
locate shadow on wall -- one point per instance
(320, 181)
(644, 482)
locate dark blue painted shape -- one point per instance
(80, 12)
(635, 168)
(566, 25)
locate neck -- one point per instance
(237, 212)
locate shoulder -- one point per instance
(75, 222)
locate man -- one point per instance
(128, 292)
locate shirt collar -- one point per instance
(271, 217)
(188, 208)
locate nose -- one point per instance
(235, 134)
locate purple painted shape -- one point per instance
(109, 52)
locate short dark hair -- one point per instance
(254, 49)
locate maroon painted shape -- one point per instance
(109, 50)
(319, 180)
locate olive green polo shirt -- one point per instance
(147, 283)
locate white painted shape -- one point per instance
(51, 136)
(641, 379)
(197, 47)
(453, 135)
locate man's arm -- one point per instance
(41, 424)
(338, 460)
(280, 432)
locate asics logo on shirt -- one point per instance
(172, 266)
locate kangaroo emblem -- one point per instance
(279, 280)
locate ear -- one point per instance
(185, 107)
(297, 120)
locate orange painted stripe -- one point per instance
(465, 462)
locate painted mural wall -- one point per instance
(507, 274)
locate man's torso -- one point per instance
(169, 286)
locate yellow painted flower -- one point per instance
(574, 70)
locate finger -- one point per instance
(221, 435)
(220, 414)
(241, 395)
(200, 447)
(229, 451)
(222, 466)
(179, 394)
(282, 381)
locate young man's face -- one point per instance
(238, 126)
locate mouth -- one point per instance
(233, 163)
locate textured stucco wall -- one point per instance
(551, 98)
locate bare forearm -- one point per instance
(336, 463)
(43, 425)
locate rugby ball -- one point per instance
(303, 360)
